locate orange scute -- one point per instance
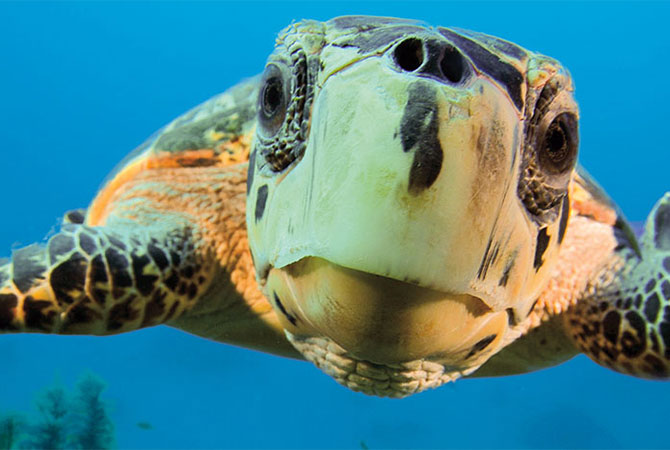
(234, 151)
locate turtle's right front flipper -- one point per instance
(93, 280)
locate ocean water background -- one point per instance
(81, 84)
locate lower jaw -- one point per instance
(378, 335)
(382, 380)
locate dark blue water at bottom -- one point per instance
(81, 84)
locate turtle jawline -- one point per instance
(379, 319)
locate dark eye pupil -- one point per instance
(558, 147)
(272, 96)
(556, 142)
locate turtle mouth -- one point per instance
(382, 321)
(383, 380)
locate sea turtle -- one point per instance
(397, 203)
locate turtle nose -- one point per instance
(430, 57)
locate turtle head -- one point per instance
(407, 195)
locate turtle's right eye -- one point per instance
(272, 100)
(558, 145)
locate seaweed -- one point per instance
(12, 426)
(51, 430)
(65, 420)
(92, 426)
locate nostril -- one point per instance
(452, 64)
(409, 54)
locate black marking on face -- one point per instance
(662, 227)
(506, 271)
(251, 169)
(69, 278)
(261, 199)
(481, 345)
(489, 63)
(279, 304)
(7, 303)
(144, 283)
(532, 307)
(28, 266)
(511, 317)
(35, 317)
(652, 307)
(86, 243)
(419, 129)
(58, 246)
(611, 323)
(563, 222)
(490, 256)
(158, 256)
(541, 247)
(632, 345)
(481, 272)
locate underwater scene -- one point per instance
(84, 83)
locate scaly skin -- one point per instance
(622, 320)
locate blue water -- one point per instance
(81, 84)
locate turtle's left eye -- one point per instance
(272, 100)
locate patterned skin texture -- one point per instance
(165, 242)
(622, 317)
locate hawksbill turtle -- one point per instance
(397, 203)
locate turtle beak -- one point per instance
(382, 320)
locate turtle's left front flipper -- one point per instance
(623, 321)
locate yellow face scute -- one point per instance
(390, 157)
